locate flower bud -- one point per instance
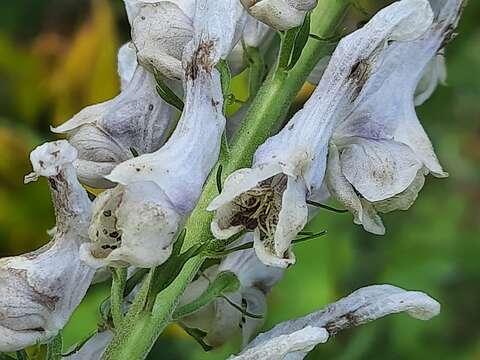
(280, 14)
(40, 290)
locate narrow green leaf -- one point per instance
(225, 282)
(300, 42)
(326, 207)
(198, 335)
(167, 94)
(219, 178)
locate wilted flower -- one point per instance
(297, 337)
(270, 198)
(136, 223)
(280, 14)
(380, 153)
(40, 290)
(220, 320)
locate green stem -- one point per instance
(264, 117)
(119, 280)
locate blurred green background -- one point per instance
(57, 56)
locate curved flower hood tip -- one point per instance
(280, 14)
(40, 290)
(295, 338)
(219, 319)
(159, 186)
(270, 198)
(106, 134)
(380, 154)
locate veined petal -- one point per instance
(41, 289)
(378, 169)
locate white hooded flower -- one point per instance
(219, 319)
(380, 152)
(280, 14)
(270, 198)
(40, 290)
(136, 223)
(106, 134)
(293, 339)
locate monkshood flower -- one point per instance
(219, 319)
(270, 197)
(380, 153)
(280, 14)
(137, 121)
(40, 290)
(295, 338)
(136, 222)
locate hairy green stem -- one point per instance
(119, 280)
(264, 117)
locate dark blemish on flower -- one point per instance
(114, 234)
(55, 153)
(200, 60)
(105, 231)
(107, 213)
(150, 107)
(41, 163)
(291, 127)
(143, 18)
(359, 74)
(137, 169)
(53, 184)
